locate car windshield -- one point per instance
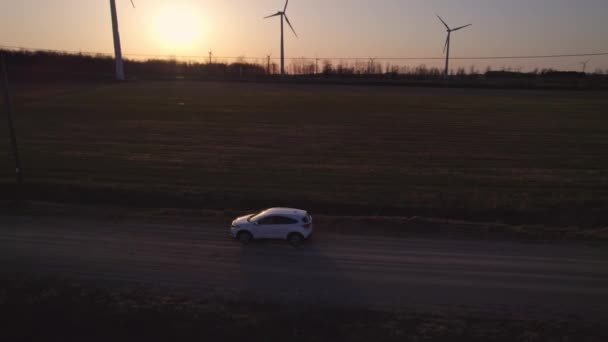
(257, 216)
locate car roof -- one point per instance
(286, 212)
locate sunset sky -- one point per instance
(327, 28)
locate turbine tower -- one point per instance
(283, 15)
(120, 67)
(446, 48)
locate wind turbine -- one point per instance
(584, 64)
(446, 48)
(120, 67)
(283, 15)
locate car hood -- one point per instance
(242, 220)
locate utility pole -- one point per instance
(210, 57)
(316, 66)
(584, 64)
(11, 128)
(268, 65)
(372, 66)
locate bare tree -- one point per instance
(328, 68)
(472, 70)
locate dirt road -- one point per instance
(425, 274)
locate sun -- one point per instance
(177, 27)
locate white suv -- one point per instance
(293, 225)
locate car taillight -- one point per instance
(307, 226)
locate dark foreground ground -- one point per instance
(75, 278)
(54, 309)
(514, 156)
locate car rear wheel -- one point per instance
(295, 239)
(244, 237)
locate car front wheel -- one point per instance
(244, 237)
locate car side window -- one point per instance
(270, 220)
(267, 220)
(285, 220)
(275, 220)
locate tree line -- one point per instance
(48, 65)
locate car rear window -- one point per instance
(307, 218)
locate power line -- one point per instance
(312, 58)
(537, 57)
(461, 58)
(124, 54)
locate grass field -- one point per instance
(498, 155)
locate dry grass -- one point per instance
(67, 311)
(492, 155)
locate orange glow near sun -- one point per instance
(177, 27)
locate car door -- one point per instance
(282, 227)
(266, 227)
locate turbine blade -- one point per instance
(445, 47)
(444, 23)
(288, 23)
(286, 3)
(273, 15)
(132, 4)
(461, 27)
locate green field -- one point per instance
(498, 155)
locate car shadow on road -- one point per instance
(276, 271)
